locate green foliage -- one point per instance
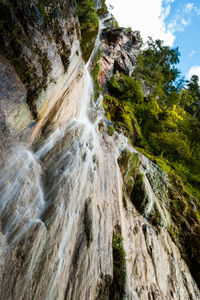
(111, 130)
(42, 7)
(122, 116)
(165, 123)
(117, 288)
(193, 86)
(89, 22)
(138, 193)
(194, 90)
(156, 66)
(169, 133)
(111, 22)
(168, 118)
(103, 10)
(126, 88)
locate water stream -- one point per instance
(59, 205)
(46, 197)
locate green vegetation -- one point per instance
(185, 224)
(138, 193)
(122, 116)
(117, 288)
(164, 120)
(42, 5)
(128, 163)
(89, 22)
(103, 10)
(160, 114)
(112, 22)
(95, 73)
(111, 130)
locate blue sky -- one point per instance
(177, 22)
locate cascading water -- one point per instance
(59, 206)
(49, 198)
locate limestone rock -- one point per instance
(119, 52)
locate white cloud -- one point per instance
(188, 7)
(185, 22)
(182, 18)
(149, 17)
(195, 70)
(165, 12)
(197, 10)
(178, 24)
(192, 53)
(146, 16)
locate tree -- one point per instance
(194, 89)
(156, 66)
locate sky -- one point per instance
(176, 22)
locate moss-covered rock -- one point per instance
(128, 163)
(122, 116)
(89, 23)
(117, 288)
(34, 36)
(20, 118)
(95, 73)
(185, 224)
(103, 10)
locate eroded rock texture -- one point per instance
(38, 39)
(82, 214)
(119, 52)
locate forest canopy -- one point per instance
(160, 111)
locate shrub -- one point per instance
(126, 88)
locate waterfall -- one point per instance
(51, 203)
(61, 198)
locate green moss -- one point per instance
(95, 73)
(155, 217)
(128, 163)
(121, 114)
(117, 288)
(126, 91)
(126, 88)
(89, 22)
(138, 194)
(20, 118)
(132, 169)
(111, 22)
(103, 10)
(111, 130)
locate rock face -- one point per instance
(15, 116)
(119, 48)
(39, 38)
(149, 243)
(82, 214)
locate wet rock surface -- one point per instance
(36, 38)
(15, 116)
(63, 195)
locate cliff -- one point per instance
(83, 214)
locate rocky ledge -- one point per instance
(119, 48)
